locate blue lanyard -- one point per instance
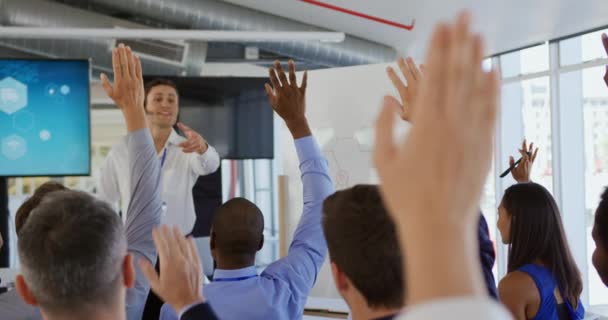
(234, 279)
(162, 160)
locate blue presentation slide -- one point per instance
(44, 117)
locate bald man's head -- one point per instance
(237, 233)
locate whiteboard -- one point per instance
(342, 105)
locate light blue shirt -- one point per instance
(143, 214)
(281, 291)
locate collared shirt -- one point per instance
(281, 290)
(473, 308)
(179, 174)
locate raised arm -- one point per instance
(438, 218)
(308, 249)
(408, 91)
(144, 211)
(521, 171)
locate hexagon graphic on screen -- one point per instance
(14, 147)
(13, 95)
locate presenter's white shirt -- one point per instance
(179, 174)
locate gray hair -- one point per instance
(72, 249)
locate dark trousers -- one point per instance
(153, 303)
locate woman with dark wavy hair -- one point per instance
(543, 281)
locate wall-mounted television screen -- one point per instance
(44, 117)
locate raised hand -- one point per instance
(605, 42)
(409, 91)
(432, 181)
(128, 88)
(521, 172)
(194, 143)
(180, 283)
(287, 99)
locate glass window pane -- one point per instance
(262, 173)
(586, 89)
(583, 48)
(526, 61)
(537, 128)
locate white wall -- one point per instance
(342, 105)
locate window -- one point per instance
(583, 48)
(536, 114)
(586, 84)
(531, 60)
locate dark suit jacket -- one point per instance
(487, 256)
(201, 311)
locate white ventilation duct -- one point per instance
(158, 57)
(217, 15)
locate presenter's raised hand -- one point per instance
(432, 180)
(288, 99)
(128, 88)
(194, 143)
(180, 282)
(409, 91)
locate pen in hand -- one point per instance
(506, 172)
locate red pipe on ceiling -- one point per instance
(361, 15)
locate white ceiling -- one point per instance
(506, 24)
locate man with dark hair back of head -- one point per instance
(76, 256)
(364, 252)
(281, 290)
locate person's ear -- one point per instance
(340, 279)
(24, 291)
(261, 245)
(128, 271)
